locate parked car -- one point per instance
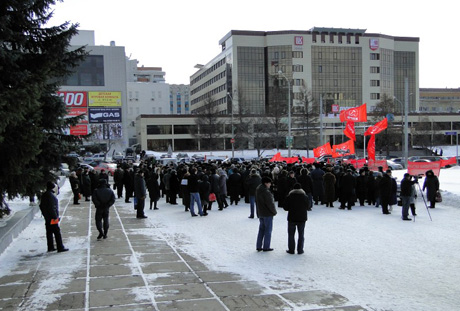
(398, 161)
(233, 160)
(108, 167)
(117, 156)
(394, 166)
(84, 165)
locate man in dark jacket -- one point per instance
(103, 198)
(297, 204)
(385, 185)
(431, 185)
(118, 181)
(406, 190)
(252, 183)
(140, 192)
(49, 206)
(318, 187)
(347, 190)
(265, 206)
(194, 189)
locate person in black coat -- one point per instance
(282, 188)
(252, 183)
(297, 204)
(140, 192)
(153, 188)
(318, 186)
(431, 184)
(75, 185)
(204, 189)
(174, 187)
(118, 181)
(128, 183)
(306, 183)
(85, 184)
(234, 186)
(347, 190)
(49, 206)
(361, 187)
(385, 185)
(103, 198)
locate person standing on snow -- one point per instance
(265, 206)
(431, 185)
(103, 198)
(49, 206)
(297, 205)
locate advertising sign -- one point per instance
(104, 115)
(106, 131)
(74, 99)
(79, 129)
(75, 112)
(298, 40)
(104, 99)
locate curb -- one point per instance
(15, 225)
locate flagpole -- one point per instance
(364, 142)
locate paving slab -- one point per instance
(158, 279)
(192, 305)
(180, 292)
(111, 270)
(164, 267)
(215, 276)
(255, 303)
(244, 288)
(114, 297)
(316, 298)
(158, 257)
(115, 282)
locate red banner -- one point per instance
(276, 158)
(308, 160)
(356, 163)
(322, 150)
(450, 161)
(377, 128)
(344, 149)
(349, 130)
(374, 165)
(420, 168)
(358, 114)
(371, 148)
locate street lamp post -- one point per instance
(404, 112)
(290, 140)
(233, 130)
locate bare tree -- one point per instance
(209, 125)
(391, 137)
(427, 133)
(308, 120)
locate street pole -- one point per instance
(321, 119)
(406, 126)
(233, 130)
(290, 140)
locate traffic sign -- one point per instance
(451, 133)
(232, 140)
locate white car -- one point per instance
(394, 166)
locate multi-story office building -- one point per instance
(435, 100)
(344, 67)
(97, 90)
(179, 99)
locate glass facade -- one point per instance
(338, 76)
(89, 73)
(159, 129)
(251, 80)
(405, 66)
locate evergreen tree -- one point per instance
(34, 60)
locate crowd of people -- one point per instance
(297, 188)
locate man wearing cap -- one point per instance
(49, 206)
(265, 208)
(103, 198)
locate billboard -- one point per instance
(104, 115)
(79, 129)
(104, 99)
(75, 112)
(74, 99)
(106, 131)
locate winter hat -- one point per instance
(102, 182)
(297, 186)
(266, 179)
(50, 185)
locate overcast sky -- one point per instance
(176, 35)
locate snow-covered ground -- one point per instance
(375, 260)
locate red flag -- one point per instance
(349, 130)
(322, 150)
(450, 161)
(358, 114)
(276, 157)
(377, 128)
(371, 148)
(343, 149)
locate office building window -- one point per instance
(320, 69)
(375, 69)
(375, 56)
(375, 95)
(375, 82)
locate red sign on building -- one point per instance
(79, 129)
(74, 99)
